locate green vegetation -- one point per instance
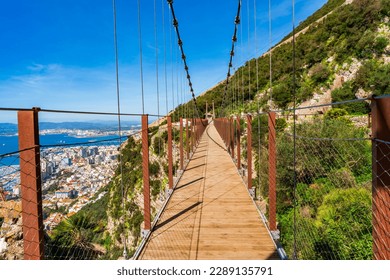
(73, 239)
(333, 198)
(335, 113)
(347, 92)
(105, 223)
(330, 6)
(154, 168)
(350, 31)
(373, 76)
(158, 146)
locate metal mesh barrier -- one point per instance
(74, 180)
(11, 232)
(328, 215)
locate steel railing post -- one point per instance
(238, 142)
(181, 145)
(31, 187)
(187, 139)
(232, 136)
(272, 169)
(145, 171)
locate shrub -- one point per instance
(156, 187)
(319, 73)
(345, 93)
(344, 221)
(335, 113)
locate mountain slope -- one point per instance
(353, 34)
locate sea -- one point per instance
(9, 144)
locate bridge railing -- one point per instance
(327, 215)
(11, 234)
(10, 207)
(320, 176)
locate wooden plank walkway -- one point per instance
(210, 214)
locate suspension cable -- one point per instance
(119, 116)
(157, 74)
(294, 128)
(249, 46)
(165, 57)
(234, 40)
(156, 54)
(270, 48)
(140, 55)
(171, 64)
(258, 99)
(242, 68)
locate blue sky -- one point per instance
(59, 54)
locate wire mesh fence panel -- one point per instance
(242, 134)
(75, 187)
(11, 232)
(159, 165)
(328, 214)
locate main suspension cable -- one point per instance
(180, 43)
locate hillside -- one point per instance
(103, 227)
(340, 55)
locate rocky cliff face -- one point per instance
(11, 241)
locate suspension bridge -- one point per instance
(210, 214)
(246, 185)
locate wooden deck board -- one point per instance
(210, 214)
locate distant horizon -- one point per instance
(86, 121)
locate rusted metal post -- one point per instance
(228, 130)
(238, 142)
(272, 170)
(381, 178)
(145, 172)
(170, 160)
(181, 145)
(187, 139)
(196, 131)
(225, 127)
(192, 135)
(232, 136)
(249, 150)
(31, 187)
